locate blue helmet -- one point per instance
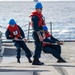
(38, 5)
(12, 22)
(45, 28)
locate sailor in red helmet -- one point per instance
(15, 33)
(37, 23)
(52, 45)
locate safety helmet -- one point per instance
(45, 28)
(38, 5)
(12, 22)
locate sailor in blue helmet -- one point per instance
(37, 23)
(52, 45)
(15, 33)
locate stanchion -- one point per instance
(1, 52)
(0, 43)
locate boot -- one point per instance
(61, 60)
(37, 62)
(18, 60)
(30, 61)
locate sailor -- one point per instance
(37, 23)
(52, 45)
(15, 33)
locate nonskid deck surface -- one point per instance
(9, 65)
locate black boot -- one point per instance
(30, 61)
(61, 60)
(37, 62)
(18, 60)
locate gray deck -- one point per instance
(16, 73)
(9, 65)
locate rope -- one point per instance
(24, 25)
(2, 27)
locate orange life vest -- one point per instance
(40, 16)
(46, 35)
(14, 31)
